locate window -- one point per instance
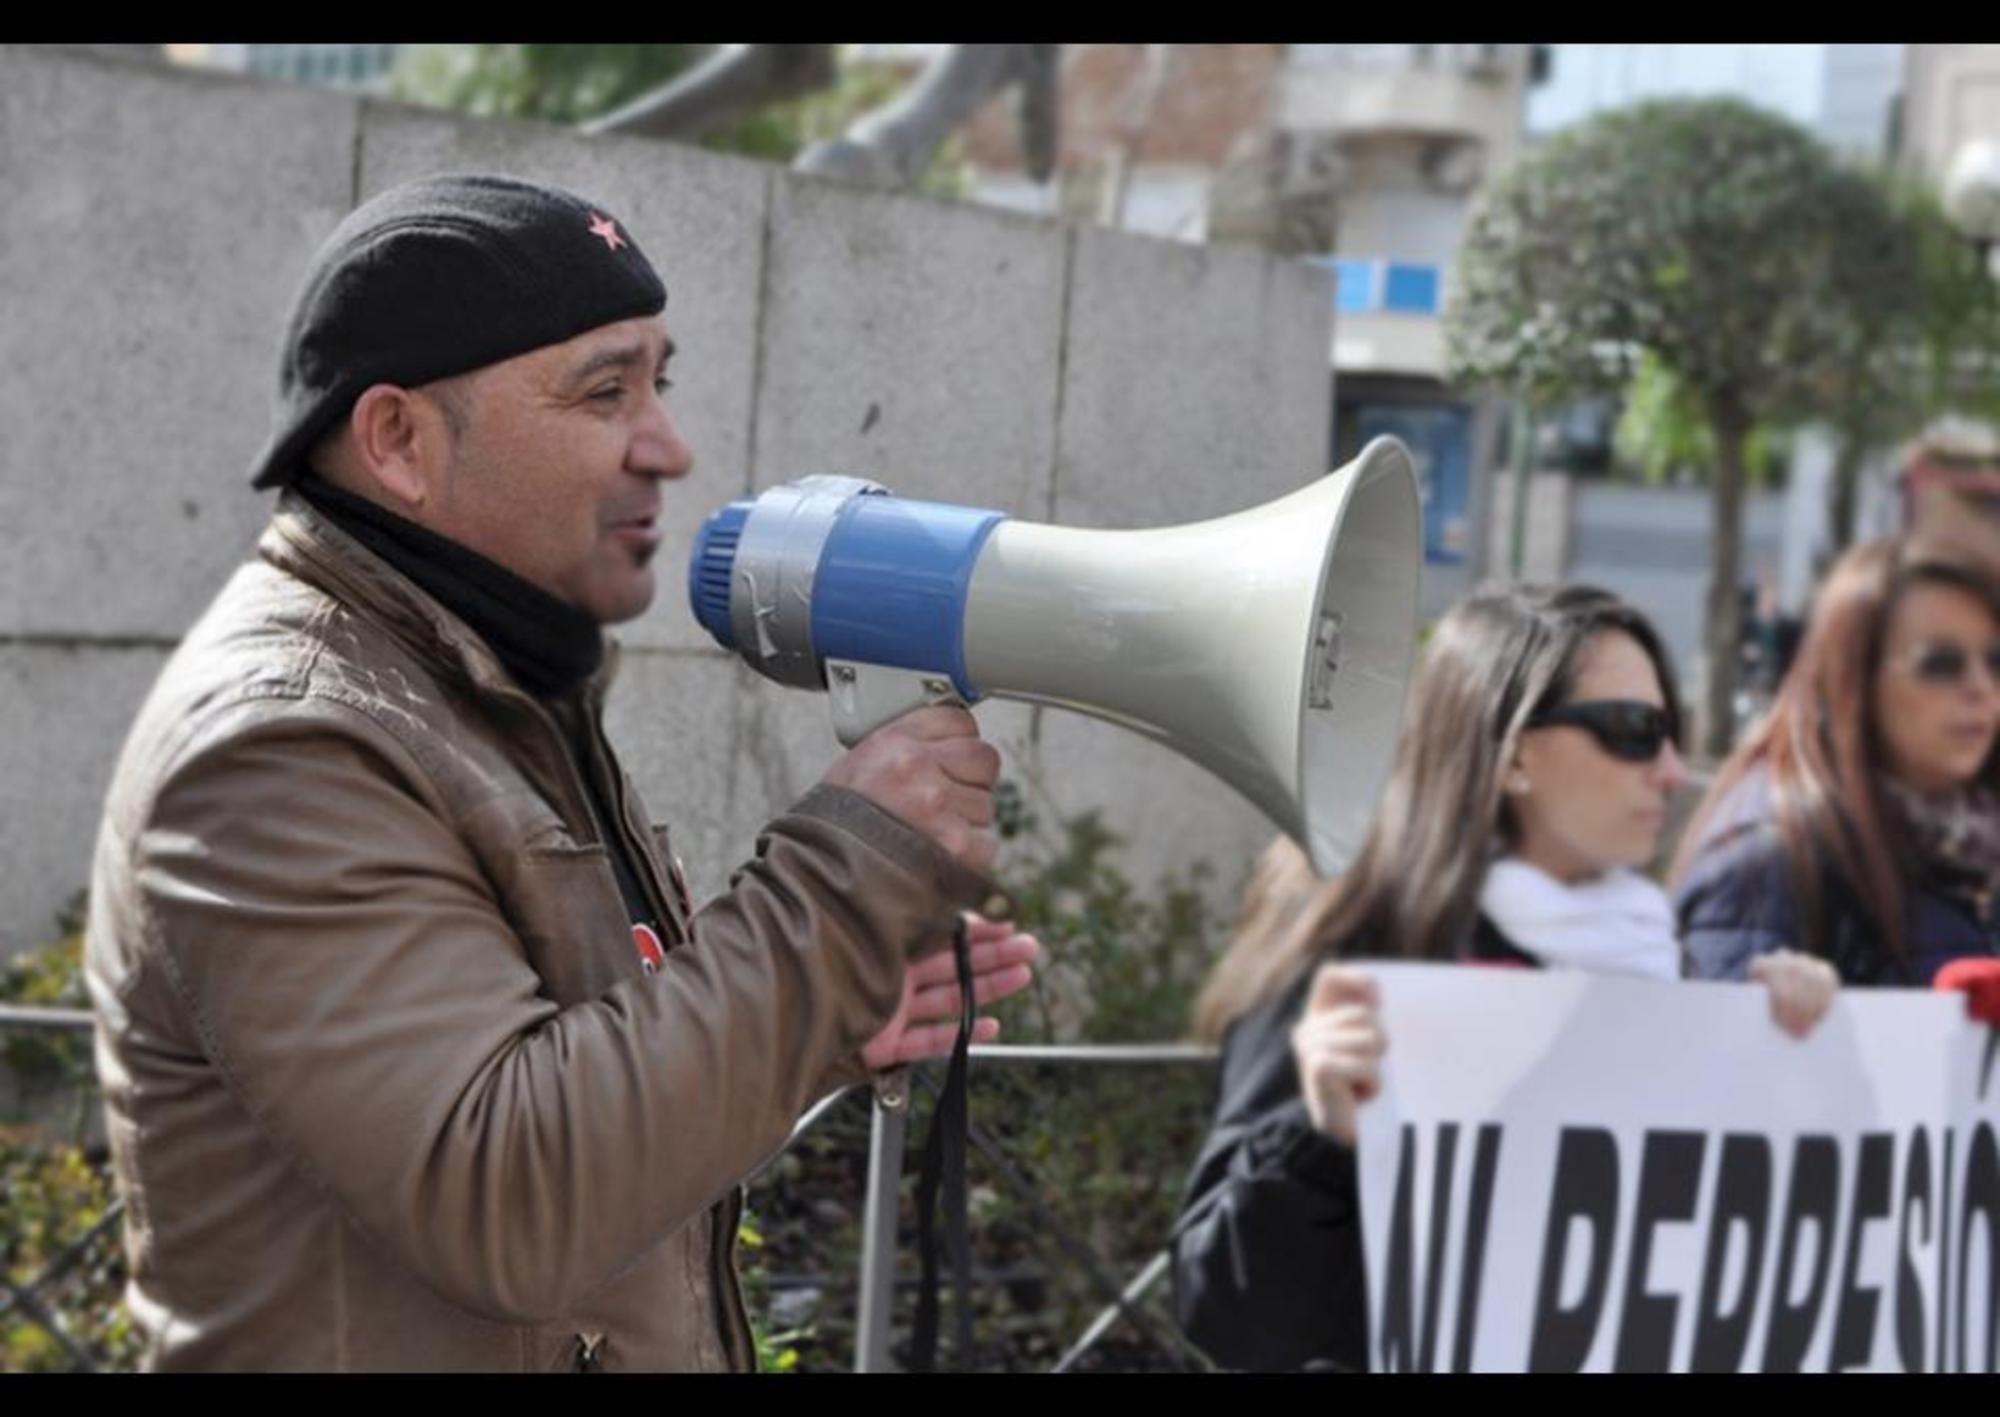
(1365, 286)
(1354, 286)
(1411, 289)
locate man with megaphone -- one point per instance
(415, 1054)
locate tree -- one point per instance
(1704, 232)
(1663, 434)
(556, 83)
(864, 120)
(733, 82)
(892, 144)
(1870, 388)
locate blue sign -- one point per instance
(1439, 437)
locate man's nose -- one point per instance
(658, 450)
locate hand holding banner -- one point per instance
(1576, 1172)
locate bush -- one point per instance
(56, 1194)
(54, 1184)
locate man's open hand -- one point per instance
(926, 1022)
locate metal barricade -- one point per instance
(888, 1139)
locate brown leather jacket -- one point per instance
(387, 1085)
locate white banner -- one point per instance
(1568, 1172)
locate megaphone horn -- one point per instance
(1272, 646)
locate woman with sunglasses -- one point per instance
(1860, 819)
(1529, 788)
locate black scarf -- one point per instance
(548, 645)
(1954, 836)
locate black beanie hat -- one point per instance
(439, 277)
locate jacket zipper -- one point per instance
(620, 805)
(732, 1319)
(731, 1316)
(570, 771)
(616, 832)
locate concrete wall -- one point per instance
(155, 224)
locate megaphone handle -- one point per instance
(866, 696)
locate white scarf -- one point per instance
(1617, 923)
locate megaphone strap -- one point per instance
(944, 1164)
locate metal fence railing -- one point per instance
(888, 1138)
(29, 1298)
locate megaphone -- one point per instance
(1271, 646)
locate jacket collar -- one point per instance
(303, 542)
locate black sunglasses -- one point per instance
(1948, 661)
(1628, 729)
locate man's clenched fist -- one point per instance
(931, 768)
(1338, 1046)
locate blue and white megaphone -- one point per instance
(1272, 646)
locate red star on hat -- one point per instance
(604, 226)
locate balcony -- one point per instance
(1361, 90)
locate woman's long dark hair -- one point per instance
(1819, 746)
(1494, 660)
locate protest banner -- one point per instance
(1569, 1172)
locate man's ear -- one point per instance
(400, 445)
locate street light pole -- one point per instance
(1524, 457)
(1972, 196)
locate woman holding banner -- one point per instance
(1531, 785)
(1860, 820)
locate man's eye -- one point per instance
(608, 392)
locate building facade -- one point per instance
(1365, 157)
(1951, 100)
(1412, 134)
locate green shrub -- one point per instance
(54, 1186)
(54, 1194)
(44, 1064)
(1104, 1150)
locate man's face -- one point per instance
(556, 471)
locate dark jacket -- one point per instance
(1737, 902)
(1267, 1265)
